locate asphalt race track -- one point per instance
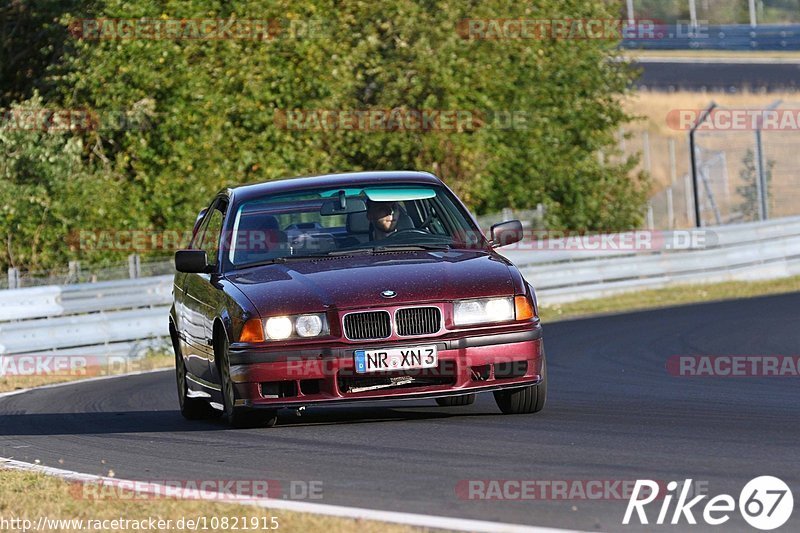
(614, 413)
(718, 75)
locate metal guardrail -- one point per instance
(125, 317)
(109, 318)
(760, 250)
(723, 37)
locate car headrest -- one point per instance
(255, 222)
(404, 221)
(358, 222)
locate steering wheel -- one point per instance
(427, 222)
(416, 231)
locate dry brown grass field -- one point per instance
(730, 147)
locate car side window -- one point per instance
(212, 232)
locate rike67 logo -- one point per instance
(765, 503)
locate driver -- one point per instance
(384, 217)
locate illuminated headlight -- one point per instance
(308, 325)
(278, 327)
(483, 311)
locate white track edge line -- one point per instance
(409, 519)
(82, 380)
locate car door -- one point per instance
(201, 295)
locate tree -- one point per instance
(217, 108)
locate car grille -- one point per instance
(418, 321)
(367, 325)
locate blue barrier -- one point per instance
(721, 37)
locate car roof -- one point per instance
(350, 179)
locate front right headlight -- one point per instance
(483, 311)
(278, 327)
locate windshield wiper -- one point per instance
(411, 247)
(354, 251)
(279, 260)
(390, 248)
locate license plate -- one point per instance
(381, 359)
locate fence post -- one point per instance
(631, 20)
(134, 266)
(687, 193)
(761, 179)
(670, 209)
(13, 278)
(753, 18)
(650, 219)
(673, 167)
(648, 165)
(762, 187)
(693, 155)
(74, 272)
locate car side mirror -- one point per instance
(191, 261)
(506, 233)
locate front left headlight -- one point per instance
(483, 311)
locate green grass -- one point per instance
(682, 294)
(57, 499)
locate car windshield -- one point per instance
(336, 221)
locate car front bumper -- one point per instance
(294, 378)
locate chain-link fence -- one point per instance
(747, 164)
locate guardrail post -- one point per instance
(134, 266)
(13, 278)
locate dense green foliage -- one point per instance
(204, 114)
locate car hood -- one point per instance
(358, 281)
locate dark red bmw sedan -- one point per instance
(350, 287)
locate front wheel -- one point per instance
(240, 417)
(525, 400)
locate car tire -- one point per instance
(239, 417)
(191, 408)
(524, 400)
(456, 401)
